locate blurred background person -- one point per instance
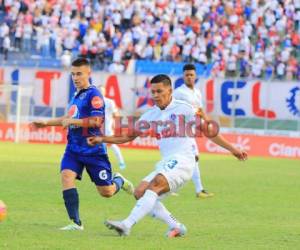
(111, 111)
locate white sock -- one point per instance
(143, 206)
(117, 153)
(197, 179)
(162, 213)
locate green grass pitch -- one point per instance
(256, 204)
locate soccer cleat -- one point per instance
(72, 227)
(122, 166)
(118, 226)
(127, 185)
(177, 232)
(204, 194)
(174, 194)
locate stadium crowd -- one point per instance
(239, 38)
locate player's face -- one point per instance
(161, 94)
(189, 77)
(80, 76)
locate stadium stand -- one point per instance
(219, 35)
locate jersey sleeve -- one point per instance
(143, 124)
(177, 95)
(190, 113)
(145, 117)
(97, 106)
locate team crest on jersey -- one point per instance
(173, 117)
(73, 111)
(82, 96)
(97, 102)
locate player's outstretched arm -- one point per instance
(51, 122)
(92, 141)
(221, 141)
(90, 122)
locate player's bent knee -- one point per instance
(68, 179)
(138, 193)
(158, 181)
(159, 185)
(140, 189)
(106, 192)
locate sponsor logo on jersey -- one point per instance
(97, 102)
(73, 111)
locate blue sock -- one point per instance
(72, 204)
(119, 183)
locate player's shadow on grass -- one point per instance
(43, 225)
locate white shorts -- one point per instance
(176, 169)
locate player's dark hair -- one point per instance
(189, 66)
(166, 80)
(80, 62)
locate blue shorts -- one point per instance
(97, 166)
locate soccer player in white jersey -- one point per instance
(188, 93)
(178, 158)
(111, 111)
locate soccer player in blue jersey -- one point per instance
(84, 119)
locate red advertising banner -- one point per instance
(255, 145)
(29, 134)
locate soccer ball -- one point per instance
(3, 211)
